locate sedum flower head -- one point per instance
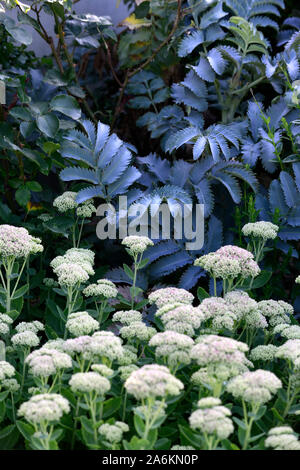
(34, 326)
(102, 370)
(66, 202)
(47, 407)
(212, 418)
(254, 387)
(170, 295)
(137, 330)
(137, 245)
(282, 438)
(25, 339)
(216, 309)
(86, 209)
(57, 344)
(127, 316)
(81, 254)
(113, 433)
(182, 318)
(212, 349)
(11, 385)
(152, 381)
(78, 345)
(4, 328)
(129, 355)
(276, 311)
(240, 303)
(172, 346)
(287, 331)
(71, 274)
(81, 323)
(45, 362)
(16, 242)
(126, 371)
(49, 282)
(229, 262)
(6, 370)
(263, 353)
(105, 344)
(89, 382)
(104, 288)
(264, 230)
(291, 352)
(6, 319)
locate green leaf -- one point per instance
(111, 406)
(188, 437)
(258, 282)
(128, 271)
(20, 113)
(21, 292)
(34, 186)
(139, 425)
(137, 444)
(66, 105)
(25, 429)
(48, 124)
(9, 437)
(202, 294)
(18, 31)
(22, 196)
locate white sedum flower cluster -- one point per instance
(263, 353)
(170, 295)
(34, 326)
(86, 209)
(113, 433)
(173, 347)
(5, 322)
(152, 381)
(46, 407)
(287, 331)
(275, 311)
(137, 245)
(104, 288)
(217, 310)
(6, 370)
(137, 330)
(127, 316)
(81, 323)
(89, 382)
(212, 418)
(182, 318)
(290, 351)
(27, 339)
(282, 438)
(66, 201)
(16, 242)
(74, 267)
(220, 358)
(229, 262)
(264, 230)
(254, 387)
(45, 362)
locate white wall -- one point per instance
(96, 7)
